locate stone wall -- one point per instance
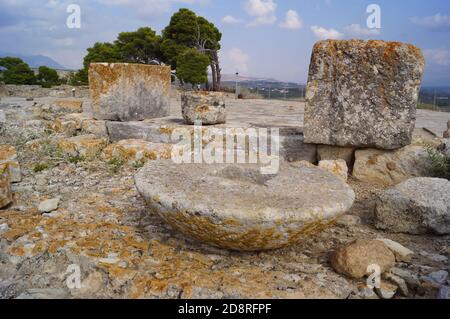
(36, 91)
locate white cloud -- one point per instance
(325, 34)
(231, 20)
(437, 21)
(358, 31)
(437, 56)
(292, 21)
(263, 11)
(238, 59)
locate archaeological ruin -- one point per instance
(91, 180)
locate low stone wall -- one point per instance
(36, 91)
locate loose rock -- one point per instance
(354, 259)
(326, 152)
(402, 254)
(49, 205)
(417, 206)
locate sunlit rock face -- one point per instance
(363, 93)
(129, 92)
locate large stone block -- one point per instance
(129, 92)
(363, 93)
(207, 107)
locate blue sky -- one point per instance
(261, 38)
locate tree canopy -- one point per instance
(185, 31)
(47, 77)
(192, 67)
(17, 71)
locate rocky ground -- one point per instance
(102, 226)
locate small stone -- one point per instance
(400, 282)
(207, 107)
(411, 279)
(417, 206)
(439, 277)
(444, 293)
(90, 286)
(386, 290)
(8, 157)
(4, 228)
(349, 220)
(354, 259)
(49, 205)
(402, 254)
(336, 167)
(5, 187)
(327, 152)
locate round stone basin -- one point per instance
(237, 207)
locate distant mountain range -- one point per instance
(35, 61)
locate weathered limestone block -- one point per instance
(208, 107)
(8, 157)
(86, 146)
(237, 207)
(363, 93)
(78, 118)
(354, 259)
(71, 106)
(66, 127)
(129, 92)
(5, 187)
(417, 206)
(132, 151)
(337, 167)
(94, 127)
(389, 168)
(332, 153)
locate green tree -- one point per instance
(17, 71)
(47, 77)
(100, 52)
(187, 30)
(141, 46)
(192, 67)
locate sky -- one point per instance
(261, 38)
